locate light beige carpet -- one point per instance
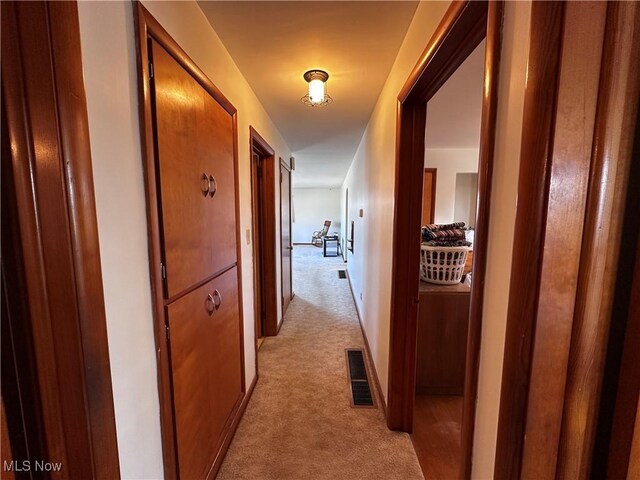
(299, 423)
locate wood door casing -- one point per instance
(263, 211)
(206, 371)
(285, 235)
(184, 110)
(429, 196)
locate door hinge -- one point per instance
(166, 329)
(281, 177)
(163, 271)
(150, 70)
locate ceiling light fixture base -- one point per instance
(323, 76)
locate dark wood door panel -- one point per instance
(196, 177)
(206, 369)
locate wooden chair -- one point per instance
(316, 238)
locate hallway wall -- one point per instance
(310, 207)
(370, 181)
(109, 62)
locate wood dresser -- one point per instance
(443, 319)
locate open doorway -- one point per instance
(435, 327)
(452, 143)
(263, 204)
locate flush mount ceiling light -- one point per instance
(317, 96)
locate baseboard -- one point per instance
(232, 429)
(366, 344)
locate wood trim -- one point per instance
(434, 172)
(148, 27)
(267, 230)
(618, 101)
(288, 169)
(626, 413)
(485, 180)
(45, 104)
(571, 150)
(576, 149)
(462, 29)
(536, 151)
(372, 364)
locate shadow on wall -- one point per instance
(310, 208)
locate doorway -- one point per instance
(286, 246)
(263, 202)
(463, 29)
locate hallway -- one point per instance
(299, 423)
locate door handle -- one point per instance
(212, 180)
(210, 304)
(217, 299)
(205, 184)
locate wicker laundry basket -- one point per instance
(442, 265)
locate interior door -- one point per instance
(197, 185)
(285, 235)
(428, 196)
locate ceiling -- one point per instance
(454, 112)
(274, 43)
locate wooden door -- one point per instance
(196, 169)
(206, 370)
(285, 235)
(258, 299)
(428, 196)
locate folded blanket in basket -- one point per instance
(449, 235)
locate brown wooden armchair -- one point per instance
(316, 238)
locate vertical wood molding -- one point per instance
(616, 117)
(533, 185)
(51, 164)
(569, 176)
(485, 171)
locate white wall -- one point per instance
(310, 208)
(370, 181)
(109, 62)
(466, 197)
(449, 162)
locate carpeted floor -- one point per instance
(299, 423)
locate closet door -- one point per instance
(196, 170)
(205, 342)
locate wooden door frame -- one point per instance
(148, 27)
(553, 364)
(267, 223)
(434, 172)
(44, 101)
(463, 27)
(288, 168)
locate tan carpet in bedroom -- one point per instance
(299, 423)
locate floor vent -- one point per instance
(361, 395)
(342, 274)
